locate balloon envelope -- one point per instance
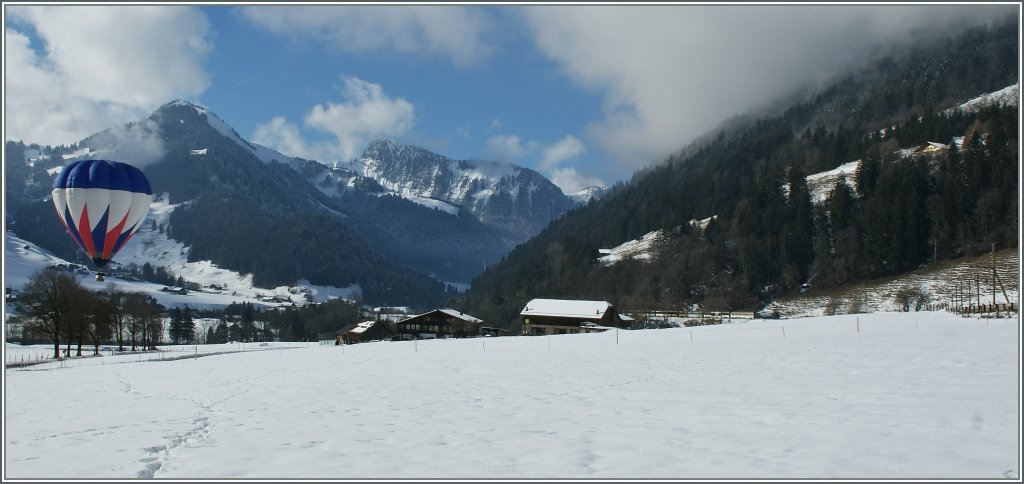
(101, 203)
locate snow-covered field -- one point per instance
(884, 395)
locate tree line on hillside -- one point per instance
(769, 238)
(280, 249)
(457, 248)
(248, 323)
(244, 322)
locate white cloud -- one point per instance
(98, 66)
(286, 138)
(366, 114)
(571, 181)
(369, 113)
(447, 31)
(505, 147)
(567, 148)
(139, 143)
(670, 73)
(512, 148)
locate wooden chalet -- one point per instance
(564, 316)
(362, 331)
(439, 323)
(931, 148)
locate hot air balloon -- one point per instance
(101, 203)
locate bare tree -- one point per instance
(80, 318)
(143, 318)
(857, 303)
(48, 302)
(154, 328)
(915, 297)
(135, 308)
(119, 314)
(101, 324)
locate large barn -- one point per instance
(565, 316)
(439, 323)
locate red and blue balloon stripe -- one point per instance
(102, 204)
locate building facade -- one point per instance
(365, 330)
(567, 316)
(439, 323)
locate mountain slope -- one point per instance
(388, 223)
(766, 242)
(516, 200)
(246, 210)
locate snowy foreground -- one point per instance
(884, 395)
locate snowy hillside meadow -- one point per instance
(920, 395)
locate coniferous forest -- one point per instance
(902, 209)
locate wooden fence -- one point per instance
(986, 309)
(691, 318)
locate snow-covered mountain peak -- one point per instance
(585, 195)
(502, 194)
(263, 153)
(183, 103)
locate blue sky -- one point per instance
(584, 94)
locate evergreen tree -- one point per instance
(188, 326)
(950, 216)
(174, 329)
(797, 249)
(867, 175)
(221, 334)
(248, 327)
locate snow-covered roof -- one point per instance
(565, 308)
(362, 327)
(456, 314)
(451, 312)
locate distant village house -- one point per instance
(932, 148)
(363, 331)
(439, 323)
(564, 316)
